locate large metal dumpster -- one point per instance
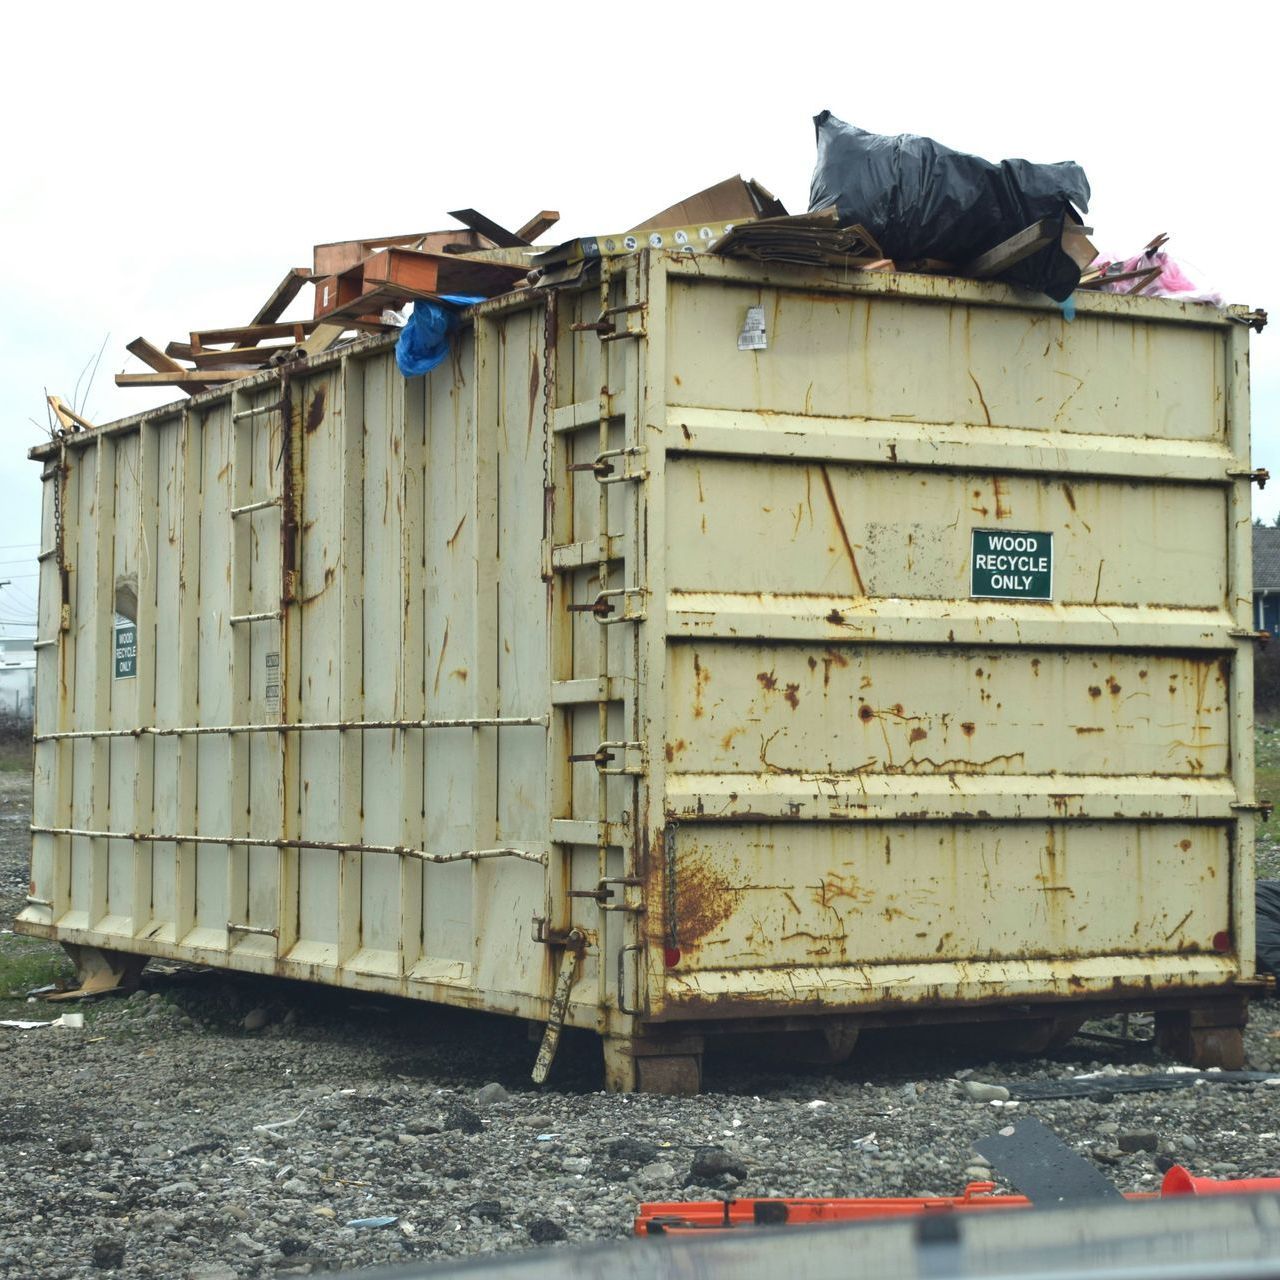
(896, 667)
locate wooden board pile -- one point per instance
(362, 285)
(359, 285)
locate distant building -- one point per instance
(17, 676)
(1266, 579)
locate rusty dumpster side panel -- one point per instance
(319, 732)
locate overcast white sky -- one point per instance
(161, 165)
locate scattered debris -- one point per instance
(1151, 273)
(980, 1092)
(711, 1165)
(269, 1128)
(546, 1231)
(387, 1221)
(72, 1021)
(1043, 1167)
(1107, 1084)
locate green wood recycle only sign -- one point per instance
(1011, 564)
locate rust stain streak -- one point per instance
(701, 677)
(844, 535)
(981, 399)
(440, 664)
(1003, 510)
(315, 411)
(1168, 936)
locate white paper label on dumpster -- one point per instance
(752, 337)
(273, 683)
(125, 634)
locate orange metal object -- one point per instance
(1179, 1182)
(674, 1217)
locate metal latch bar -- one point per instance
(232, 927)
(261, 409)
(255, 506)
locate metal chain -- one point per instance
(550, 335)
(60, 551)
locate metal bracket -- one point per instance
(1264, 807)
(547, 936)
(1239, 633)
(1255, 320)
(1259, 476)
(575, 944)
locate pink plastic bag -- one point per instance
(1172, 282)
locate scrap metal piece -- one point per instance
(1094, 1085)
(499, 235)
(1040, 1165)
(99, 971)
(574, 944)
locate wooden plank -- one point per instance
(1146, 277)
(283, 294)
(183, 378)
(322, 337)
(396, 275)
(1010, 252)
(153, 357)
(295, 329)
(538, 225)
(500, 236)
(246, 357)
(67, 417)
(1077, 245)
(440, 273)
(1101, 281)
(330, 259)
(365, 307)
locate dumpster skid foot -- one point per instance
(99, 970)
(667, 1066)
(1209, 1035)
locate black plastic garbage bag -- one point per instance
(1267, 924)
(920, 199)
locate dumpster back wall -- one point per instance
(880, 786)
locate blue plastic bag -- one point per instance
(424, 341)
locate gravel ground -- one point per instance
(214, 1126)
